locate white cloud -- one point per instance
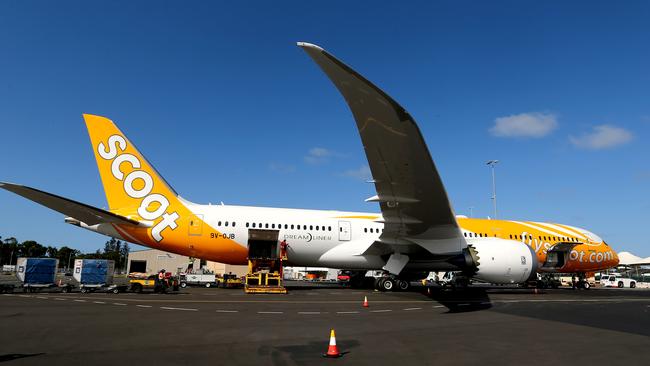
(602, 137)
(362, 173)
(534, 125)
(317, 155)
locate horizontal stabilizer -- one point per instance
(82, 212)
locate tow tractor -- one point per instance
(229, 280)
(264, 264)
(139, 283)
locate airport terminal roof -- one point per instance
(629, 259)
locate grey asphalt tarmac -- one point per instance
(218, 327)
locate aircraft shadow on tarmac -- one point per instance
(460, 301)
(15, 356)
(303, 354)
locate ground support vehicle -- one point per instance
(36, 287)
(198, 279)
(152, 283)
(229, 281)
(618, 281)
(37, 274)
(102, 287)
(264, 264)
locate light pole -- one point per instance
(69, 256)
(492, 163)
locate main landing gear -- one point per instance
(391, 283)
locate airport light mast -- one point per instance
(492, 163)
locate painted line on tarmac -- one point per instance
(119, 304)
(59, 299)
(181, 309)
(411, 309)
(227, 311)
(98, 302)
(309, 312)
(347, 312)
(80, 300)
(24, 296)
(143, 306)
(622, 299)
(42, 297)
(438, 306)
(380, 311)
(270, 312)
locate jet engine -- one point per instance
(503, 261)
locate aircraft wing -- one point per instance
(413, 200)
(82, 212)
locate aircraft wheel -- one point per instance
(183, 284)
(388, 284)
(378, 283)
(403, 285)
(208, 285)
(116, 290)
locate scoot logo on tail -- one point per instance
(144, 193)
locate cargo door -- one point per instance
(345, 231)
(195, 226)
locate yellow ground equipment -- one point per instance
(139, 284)
(229, 281)
(264, 264)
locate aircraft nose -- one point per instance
(615, 259)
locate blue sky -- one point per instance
(222, 102)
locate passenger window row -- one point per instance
(521, 237)
(545, 238)
(372, 230)
(260, 225)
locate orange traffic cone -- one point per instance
(365, 301)
(332, 350)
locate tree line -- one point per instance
(11, 250)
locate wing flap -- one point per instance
(80, 211)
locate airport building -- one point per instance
(153, 260)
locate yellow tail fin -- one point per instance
(133, 187)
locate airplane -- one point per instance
(415, 233)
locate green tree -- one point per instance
(31, 248)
